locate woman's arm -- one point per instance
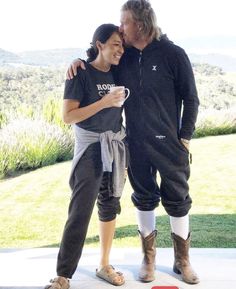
(73, 113)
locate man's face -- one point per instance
(128, 28)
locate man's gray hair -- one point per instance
(145, 17)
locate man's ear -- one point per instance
(140, 26)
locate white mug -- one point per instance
(118, 88)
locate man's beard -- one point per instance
(127, 43)
(136, 38)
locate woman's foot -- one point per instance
(109, 274)
(58, 283)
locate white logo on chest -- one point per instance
(154, 68)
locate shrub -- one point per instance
(29, 144)
(216, 122)
(3, 119)
(52, 112)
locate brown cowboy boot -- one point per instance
(147, 270)
(181, 264)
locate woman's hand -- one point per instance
(113, 99)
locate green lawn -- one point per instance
(33, 206)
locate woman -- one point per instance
(98, 169)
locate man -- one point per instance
(160, 118)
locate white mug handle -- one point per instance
(128, 93)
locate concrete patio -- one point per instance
(32, 268)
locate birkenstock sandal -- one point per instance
(109, 274)
(58, 283)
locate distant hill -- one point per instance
(8, 57)
(208, 42)
(214, 50)
(51, 57)
(58, 57)
(227, 63)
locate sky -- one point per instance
(48, 24)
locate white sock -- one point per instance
(180, 226)
(146, 222)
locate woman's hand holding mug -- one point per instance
(123, 91)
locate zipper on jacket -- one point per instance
(139, 98)
(140, 68)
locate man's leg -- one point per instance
(146, 198)
(180, 226)
(177, 202)
(146, 222)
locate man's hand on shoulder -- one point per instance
(72, 69)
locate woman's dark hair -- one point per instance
(102, 34)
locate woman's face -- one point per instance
(112, 49)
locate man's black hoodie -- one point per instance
(163, 100)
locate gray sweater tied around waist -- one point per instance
(113, 154)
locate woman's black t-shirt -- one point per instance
(89, 86)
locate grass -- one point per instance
(34, 205)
